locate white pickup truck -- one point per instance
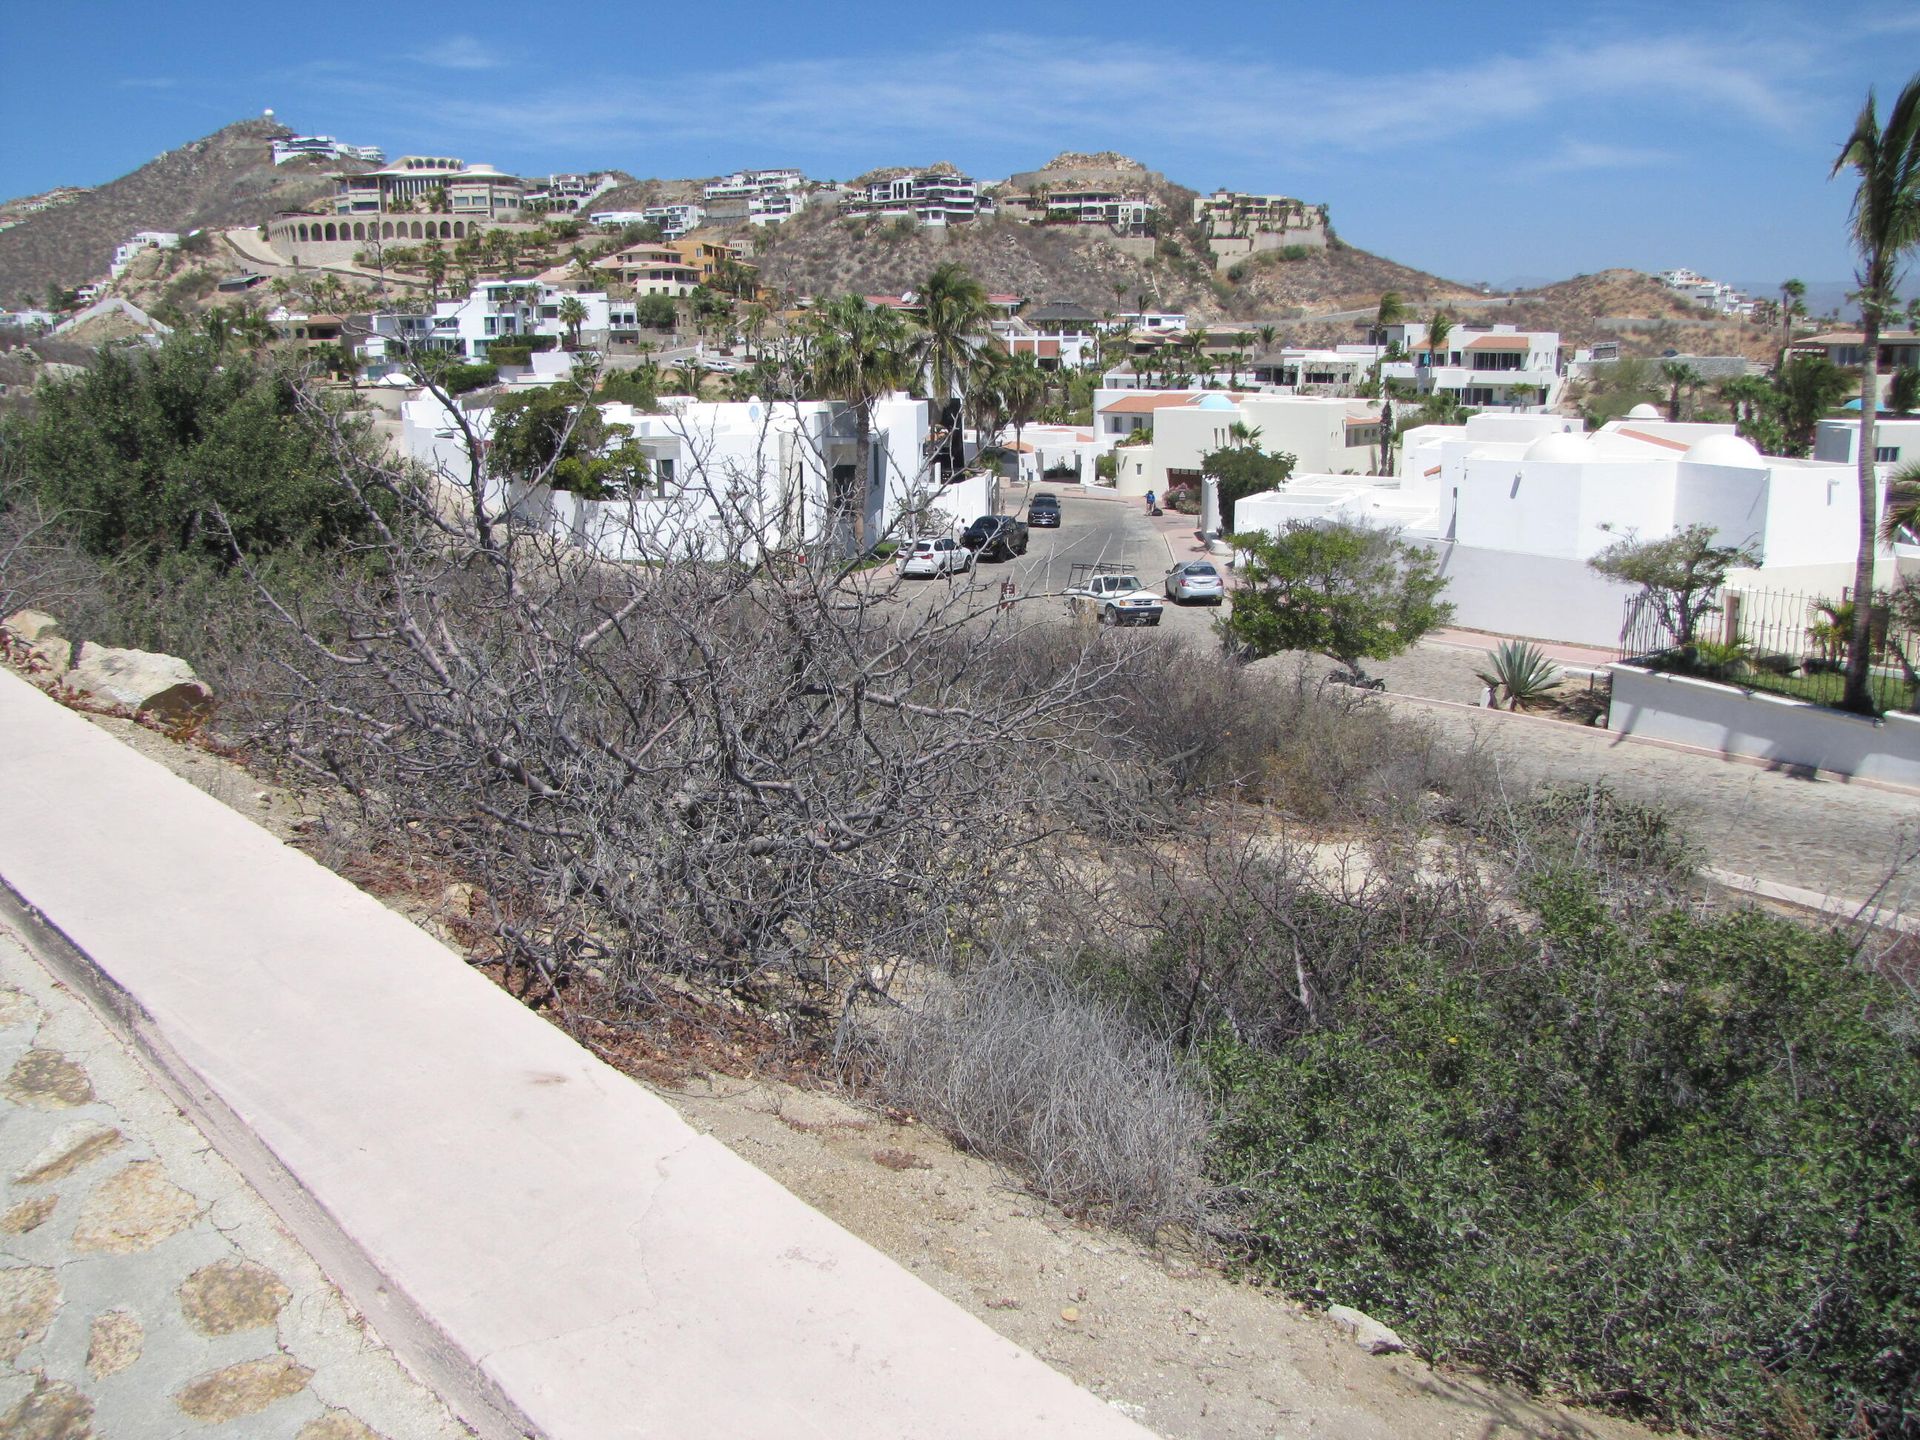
(1116, 596)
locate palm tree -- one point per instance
(1792, 295)
(860, 354)
(1903, 504)
(1023, 390)
(1392, 311)
(573, 314)
(953, 316)
(1886, 225)
(1678, 375)
(1439, 329)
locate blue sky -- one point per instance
(1485, 141)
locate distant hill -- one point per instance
(228, 178)
(1639, 311)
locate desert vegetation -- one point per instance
(1211, 951)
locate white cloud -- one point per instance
(459, 52)
(1574, 155)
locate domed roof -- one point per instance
(1562, 446)
(1216, 401)
(1644, 411)
(1725, 450)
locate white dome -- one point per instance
(1725, 449)
(1562, 446)
(1644, 412)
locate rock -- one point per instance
(139, 680)
(1365, 1331)
(29, 1299)
(243, 1389)
(53, 1411)
(16, 1009)
(71, 1147)
(1071, 1314)
(48, 1080)
(231, 1295)
(27, 1215)
(338, 1425)
(116, 1342)
(134, 1209)
(29, 627)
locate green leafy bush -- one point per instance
(1666, 1166)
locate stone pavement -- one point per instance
(145, 1290)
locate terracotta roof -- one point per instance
(1148, 403)
(1500, 342)
(1435, 470)
(1654, 439)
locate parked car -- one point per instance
(1196, 580)
(932, 557)
(1115, 595)
(1044, 509)
(996, 537)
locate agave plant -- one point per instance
(1518, 675)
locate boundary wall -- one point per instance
(537, 1236)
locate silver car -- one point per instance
(932, 557)
(1196, 580)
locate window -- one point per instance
(1886, 454)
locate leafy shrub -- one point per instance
(1666, 1165)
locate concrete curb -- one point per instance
(538, 1236)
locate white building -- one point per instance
(934, 198)
(758, 197)
(674, 220)
(144, 240)
(1515, 506)
(1896, 440)
(724, 480)
(1481, 366)
(1715, 295)
(569, 192)
(296, 147)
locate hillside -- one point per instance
(1636, 309)
(227, 178)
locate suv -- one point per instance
(932, 557)
(1044, 509)
(1115, 595)
(996, 536)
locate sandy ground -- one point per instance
(1175, 1343)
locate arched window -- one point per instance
(446, 230)
(386, 231)
(300, 232)
(330, 233)
(459, 229)
(416, 230)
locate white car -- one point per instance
(1196, 580)
(932, 557)
(1116, 597)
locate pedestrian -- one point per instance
(1149, 500)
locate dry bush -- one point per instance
(1017, 1064)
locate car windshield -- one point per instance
(1045, 502)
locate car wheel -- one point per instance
(1107, 617)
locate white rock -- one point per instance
(29, 627)
(1365, 1331)
(165, 685)
(32, 639)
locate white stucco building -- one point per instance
(1481, 367)
(726, 480)
(1515, 507)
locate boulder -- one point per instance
(1365, 1331)
(34, 642)
(139, 680)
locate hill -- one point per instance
(227, 178)
(1637, 310)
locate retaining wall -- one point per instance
(1732, 721)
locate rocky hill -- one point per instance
(228, 178)
(1640, 312)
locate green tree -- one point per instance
(1793, 295)
(861, 353)
(1806, 389)
(1346, 590)
(556, 436)
(1680, 575)
(1439, 331)
(1886, 225)
(1903, 390)
(572, 314)
(157, 453)
(1392, 311)
(953, 321)
(1243, 469)
(1678, 376)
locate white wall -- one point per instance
(1537, 596)
(1730, 721)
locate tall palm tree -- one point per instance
(1678, 376)
(860, 354)
(953, 318)
(1023, 390)
(1886, 225)
(572, 313)
(1439, 330)
(1392, 311)
(1793, 294)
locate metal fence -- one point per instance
(1777, 640)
